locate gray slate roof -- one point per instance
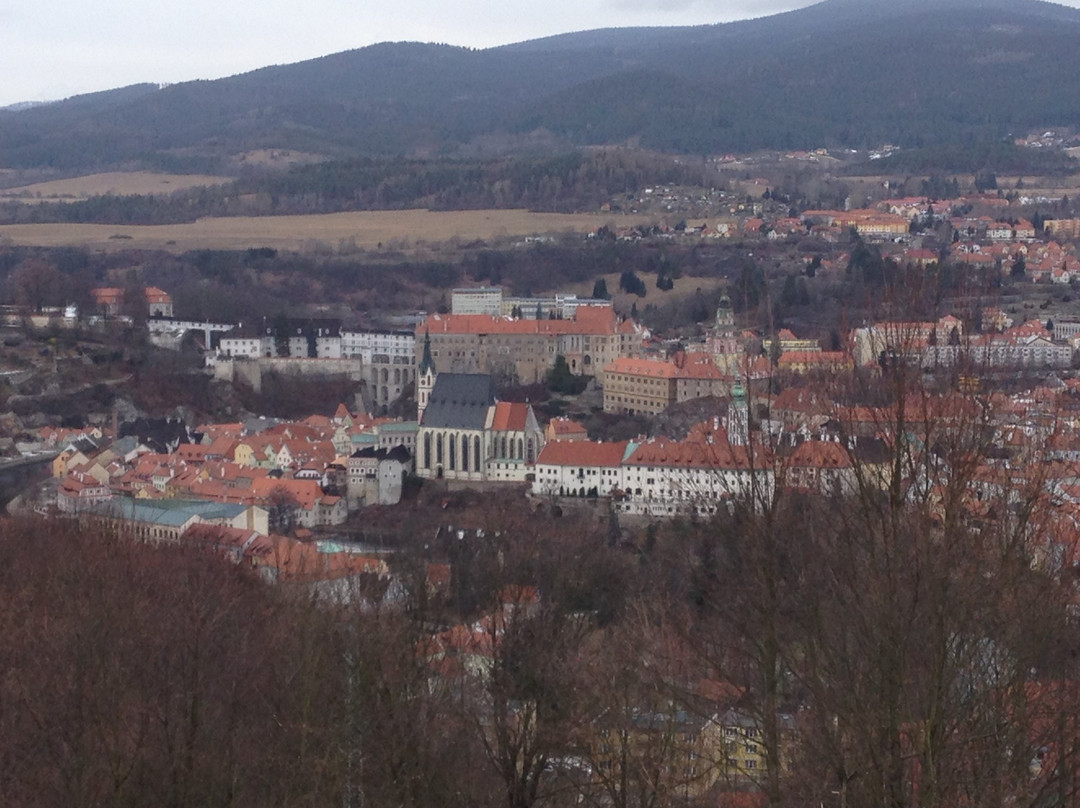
(398, 453)
(167, 512)
(459, 401)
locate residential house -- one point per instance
(376, 475)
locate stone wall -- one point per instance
(251, 371)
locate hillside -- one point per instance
(842, 72)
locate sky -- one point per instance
(53, 49)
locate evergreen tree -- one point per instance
(560, 379)
(630, 283)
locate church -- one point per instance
(467, 434)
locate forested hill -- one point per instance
(843, 72)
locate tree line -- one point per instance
(901, 639)
(564, 183)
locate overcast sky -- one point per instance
(52, 49)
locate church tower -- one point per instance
(738, 415)
(722, 343)
(425, 378)
(724, 325)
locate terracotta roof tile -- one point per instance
(510, 416)
(582, 453)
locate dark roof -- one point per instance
(398, 453)
(85, 444)
(459, 401)
(302, 327)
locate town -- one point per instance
(513, 471)
(673, 414)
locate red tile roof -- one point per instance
(582, 453)
(690, 454)
(820, 454)
(652, 368)
(510, 416)
(566, 426)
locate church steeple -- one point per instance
(425, 378)
(426, 362)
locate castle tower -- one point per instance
(425, 378)
(722, 343)
(725, 318)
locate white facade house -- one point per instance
(580, 468)
(376, 476)
(657, 477)
(478, 300)
(994, 351)
(246, 347)
(382, 347)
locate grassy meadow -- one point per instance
(120, 183)
(332, 231)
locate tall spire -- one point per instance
(427, 364)
(425, 378)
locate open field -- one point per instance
(117, 182)
(685, 286)
(399, 229)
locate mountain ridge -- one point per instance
(840, 72)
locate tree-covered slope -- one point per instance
(852, 72)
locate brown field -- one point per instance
(322, 233)
(685, 287)
(118, 182)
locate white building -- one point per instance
(376, 476)
(389, 359)
(466, 434)
(246, 347)
(658, 477)
(580, 468)
(477, 300)
(383, 347)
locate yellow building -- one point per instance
(652, 385)
(737, 738)
(663, 753)
(789, 342)
(244, 455)
(477, 343)
(67, 459)
(874, 224)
